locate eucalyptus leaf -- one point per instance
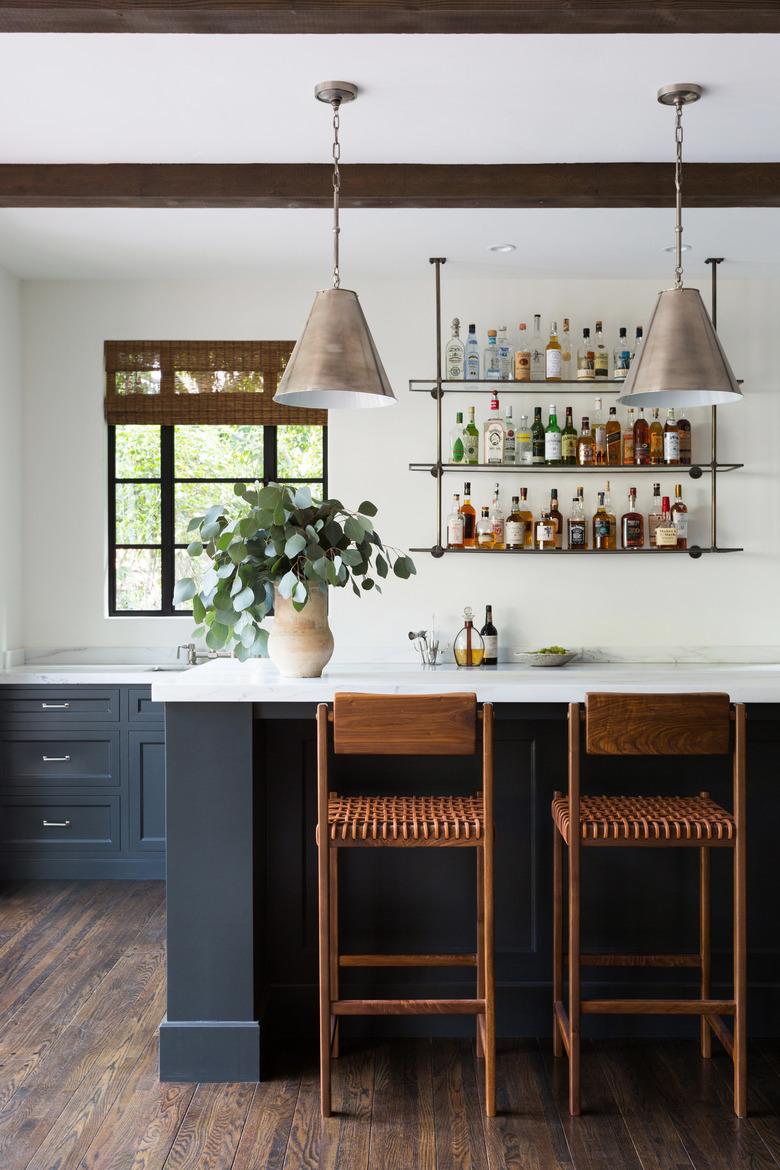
(184, 590)
(294, 545)
(244, 599)
(367, 508)
(287, 584)
(210, 529)
(195, 548)
(198, 609)
(353, 529)
(381, 565)
(217, 636)
(302, 498)
(300, 593)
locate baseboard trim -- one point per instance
(209, 1050)
(74, 869)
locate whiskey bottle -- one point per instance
(656, 440)
(556, 517)
(527, 517)
(566, 352)
(506, 356)
(680, 517)
(577, 526)
(654, 515)
(537, 437)
(628, 438)
(490, 363)
(485, 530)
(494, 433)
(537, 351)
(684, 434)
(671, 440)
(598, 431)
(552, 356)
(569, 441)
(472, 355)
(545, 530)
(523, 356)
(601, 361)
(454, 354)
(455, 524)
(614, 436)
(471, 440)
(468, 647)
(457, 451)
(469, 518)
(666, 533)
(603, 526)
(585, 444)
(490, 639)
(515, 526)
(632, 524)
(523, 449)
(552, 439)
(586, 359)
(622, 357)
(510, 438)
(641, 440)
(497, 522)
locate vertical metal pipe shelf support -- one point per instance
(438, 393)
(714, 261)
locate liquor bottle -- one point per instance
(603, 526)
(545, 530)
(641, 440)
(523, 356)
(537, 351)
(552, 356)
(468, 647)
(455, 524)
(666, 533)
(585, 444)
(684, 433)
(601, 361)
(656, 440)
(577, 526)
(490, 639)
(523, 450)
(557, 518)
(598, 430)
(454, 354)
(469, 518)
(628, 438)
(552, 439)
(484, 530)
(622, 357)
(497, 522)
(506, 356)
(586, 359)
(537, 437)
(457, 450)
(472, 355)
(654, 515)
(671, 439)
(614, 436)
(527, 517)
(491, 368)
(510, 438)
(632, 524)
(494, 433)
(514, 533)
(471, 440)
(637, 343)
(567, 350)
(569, 441)
(680, 517)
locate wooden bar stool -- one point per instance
(426, 725)
(652, 725)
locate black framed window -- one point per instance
(161, 475)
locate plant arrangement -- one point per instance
(282, 538)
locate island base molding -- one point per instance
(209, 1050)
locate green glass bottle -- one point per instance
(471, 440)
(456, 439)
(537, 437)
(552, 439)
(569, 441)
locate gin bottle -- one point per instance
(454, 355)
(506, 356)
(523, 450)
(495, 433)
(510, 438)
(472, 355)
(471, 440)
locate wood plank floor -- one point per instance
(82, 982)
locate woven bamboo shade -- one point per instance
(216, 382)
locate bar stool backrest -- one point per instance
(405, 725)
(657, 725)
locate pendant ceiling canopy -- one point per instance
(335, 363)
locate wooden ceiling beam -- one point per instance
(387, 185)
(391, 16)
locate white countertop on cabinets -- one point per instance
(86, 675)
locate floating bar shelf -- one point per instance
(694, 551)
(510, 386)
(694, 470)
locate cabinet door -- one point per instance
(146, 790)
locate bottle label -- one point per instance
(552, 363)
(510, 446)
(523, 366)
(472, 367)
(498, 531)
(600, 437)
(641, 452)
(568, 446)
(632, 532)
(622, 363)
(491, 645)
(544, 532)
(601, 364)
(613, 445)
(585, 453)
(601, 527)
(666, 536)
(628, 448)
(457, 450)
(515, 533)
(576, 534)
(494, 444)
(455, 530)
(552, 447)
(681, 524)
(671, 447)
(470, 447)
(485, 538)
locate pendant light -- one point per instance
(335, 362)
(681, 362)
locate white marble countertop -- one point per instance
(85, 674)
(229, 681)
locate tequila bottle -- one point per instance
(490, 362)
(506, 356)
(454, 354)
(495, 433)
(457, 450)
(471, 440)
(472, 355)
(537, 351)
(523, 356)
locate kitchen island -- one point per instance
(241, 868)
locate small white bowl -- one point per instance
(532, 658)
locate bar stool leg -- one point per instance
(334, 948)
(740, 920)
(490, 981)
(705, 944)
(574, 981)
(557, 935)
(480, 948)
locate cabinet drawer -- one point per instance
(59, 705)
(67, 757)
(142, 709)
(53, 824)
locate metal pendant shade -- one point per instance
(681, 362)
(335, 362)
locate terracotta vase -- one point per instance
(301, 644)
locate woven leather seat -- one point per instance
(406, 819)
(646, 818)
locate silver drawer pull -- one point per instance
(55, 706)
(56, 824)
(56, 759)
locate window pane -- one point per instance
(138, 579)
(218, 382)
(137, 382)
(137, 513)
(299, 452)
(187, 566)
(203, 451)
(194, 499)
(137, 452)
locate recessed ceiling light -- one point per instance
(502, 247)
(684, 248)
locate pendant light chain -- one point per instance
(336, 190)
(678, 135)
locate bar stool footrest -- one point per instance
(651, 1007)
(407, 1007)
(459, 960)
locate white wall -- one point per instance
(11, 621)
(718, 600)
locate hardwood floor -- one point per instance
(82, 980)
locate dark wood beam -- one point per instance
(387, 185)
(391, 16)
